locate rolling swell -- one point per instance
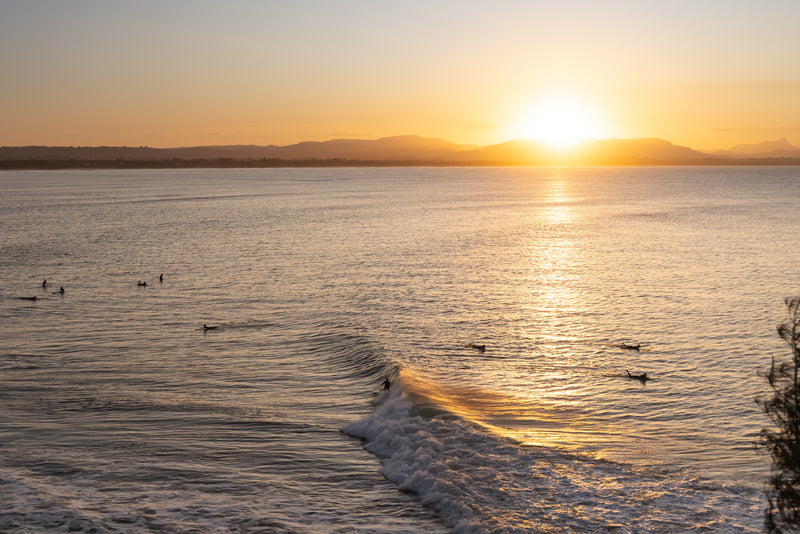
(480, 481)
(349, 355)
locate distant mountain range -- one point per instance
(781, 148)
(399, 150)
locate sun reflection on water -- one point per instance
(529, 418)
(557, 196)
(555, 302)
(553, 255)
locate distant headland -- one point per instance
(407, 150)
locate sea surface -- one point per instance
(120, 413)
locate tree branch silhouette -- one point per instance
(782, 440)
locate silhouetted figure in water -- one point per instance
(61, 290)
(161, 277)
(643, 377)
(44, 283)
(629, 347)
(142, 284)
(386, 384)
(481, 348)
(206, 327)
(27, 298)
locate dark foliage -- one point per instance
(782, 440)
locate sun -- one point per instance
(561, 122)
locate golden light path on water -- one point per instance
(556, 376)
(549, 261)
(529, 419)
(549, 411)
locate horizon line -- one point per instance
(467, 146)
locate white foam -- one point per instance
(480, 482)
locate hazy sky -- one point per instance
(704, 73)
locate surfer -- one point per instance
(625, 346)
(27, 298)
(386, 384)
(643, 377)
(61, 290)
(44, 283)
(141, 284)
(206, 327)
(161, 277)
(481, 348)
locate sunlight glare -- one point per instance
(562, 122)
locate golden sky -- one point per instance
(703, 73)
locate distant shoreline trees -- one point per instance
(782, 441)
(233, 163)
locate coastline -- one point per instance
(399, 151)
(230, 163)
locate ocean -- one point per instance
(500, 303)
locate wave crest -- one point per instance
(480, 481)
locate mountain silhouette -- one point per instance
(591, 152)
(781, 148)
(397, 150)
